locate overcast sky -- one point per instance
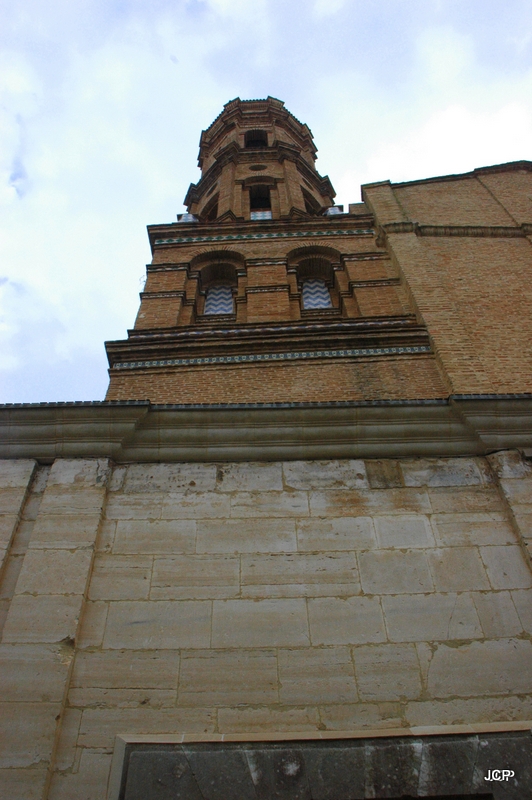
(101, 107)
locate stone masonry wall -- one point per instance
(260, 598)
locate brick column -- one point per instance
(42, 623)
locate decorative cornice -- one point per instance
(139, 431)
(290, 356)
(155, 295)
(477, 231)
(235, 237)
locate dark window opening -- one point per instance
(210, 212)
(311, 204)
(259, 198)
(256, 139)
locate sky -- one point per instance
(101, 107)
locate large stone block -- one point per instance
(72, 500)
(353, 503)
(92, 625)
(121, 698)
(506, 567)
(87, 782)
(460, 500)
(259, 623)
(162, 624)
(99, 726)
(403, 531)
(24, 783)
(473, 529)
(140, 506)
(299, 574)
(344, 533)
(518, 491)
(79, 472)
(497, 614)
(311, 475)
(246, 536)
(33, 673)
(197, 505)
(355, 620)
(510, 464)
(11, 500)
(27, 732)
(357, 716)
(228, 677)
(60, 571)
(457, 569)
(464, 711)
(16, 474)
(42, 618)
(170, 478)
(120, 577)
(250, 477)
(66, 531)
(155, 536)
(387, 672)
(316, 675)
(260, 719)
(269, 504)
(394, 572)
(195, 577)
(523, 604)
(123, 669)
(481, 668)
(434, 617)
(442, 472)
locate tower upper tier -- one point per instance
(256, 158)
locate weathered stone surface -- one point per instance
(17, 473)
(122, 698)
(66, 751)
(246, 536)
(67, 531)
(27, 731)
(392, 767)
(164, 624)
(230, 677)
(195, 577)
(154, 772)
(197, 505)
(497, 614)
(120, 577)
(42, 618)
(82, 473)
(355, 503)
(359, 716)
(138, 506)
(387, 672)
(514, 750)
(316, 675)
(86, 783)
(306, 475)
(259, 623)
(457, 569)
(245, 720)
(523, 604)
(11, 500)
(460, 711)
(269, 504)
(465, 500)
(278, 773)
(155, 536)
(170, 478)
(447, 765)
(518, 491)
(510, 464)
(404, 531)
(392, 572)
(72, 500)
(33, 673)
(299, 574)
(59, 571)
(8, 523)
(435, 617)
(344, 533)
(26, 783)
(336, 770)
(441, 472)
(92, 625)
(99, 726)
(122, 669)
(473, 529)
(250, 477)
(355, 620)
(506, 567)
(384, 474)
(492, 667)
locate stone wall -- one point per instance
(255, 599)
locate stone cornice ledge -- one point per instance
(140, 431)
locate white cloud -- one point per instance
(326, 8)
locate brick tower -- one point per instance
(267, 292)
(289, 555)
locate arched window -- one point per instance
(315, 294)
(219, 300)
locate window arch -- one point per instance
(315, 294)
(219, 299)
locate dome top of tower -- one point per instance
(258, 120)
